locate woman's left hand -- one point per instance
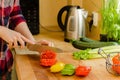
(45, 42)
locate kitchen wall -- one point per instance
(75, 2)
(90, 6)
(50, 8)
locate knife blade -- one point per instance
(39, 48)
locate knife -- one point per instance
(39, 48)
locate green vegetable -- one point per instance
(68, 69)
(85, 54)
(110, 19)
(93, 53)
(85, 39)
(69, 66)
(84, 45)
(67, 72)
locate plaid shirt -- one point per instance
(10, 14)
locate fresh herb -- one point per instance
(111, 19)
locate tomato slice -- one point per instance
(82, 70)
(48, 54)
(47, 62)
(47, 58)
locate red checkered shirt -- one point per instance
(10, 17)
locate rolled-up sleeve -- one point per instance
(16, 15)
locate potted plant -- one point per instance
(111, 20)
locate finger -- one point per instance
(15, 43)
(27, 40)
(10, 44)
(44, 42)
(48, 43)
(21, 42)
(51, 44)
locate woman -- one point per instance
(13, 30)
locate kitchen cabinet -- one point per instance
(30, 10)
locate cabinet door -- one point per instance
(30, 10)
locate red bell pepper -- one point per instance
(82, 70)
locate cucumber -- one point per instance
(84, 45)
(85, 39)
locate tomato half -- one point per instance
(116, 63)
(47, 58)
(47, 62)
(82, 70)
(48, 54)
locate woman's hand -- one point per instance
(13, 38)
(45, 42)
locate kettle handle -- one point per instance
(59, 17)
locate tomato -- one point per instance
(116, 63)
(82, 70)
(48, 54)
(47, 58)
(47, 62)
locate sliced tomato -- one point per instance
(47, 62)
(82, 70)
(48, 54)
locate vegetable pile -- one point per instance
(85, 43)
(93, 53)
(70, 69)
(48, 58)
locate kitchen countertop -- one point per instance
(28, 66)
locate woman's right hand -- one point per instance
(13, 38)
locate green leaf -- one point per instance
(111, 18)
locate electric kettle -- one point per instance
(74, 23)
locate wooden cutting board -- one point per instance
(28, 68)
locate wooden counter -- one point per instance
(28, 66)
